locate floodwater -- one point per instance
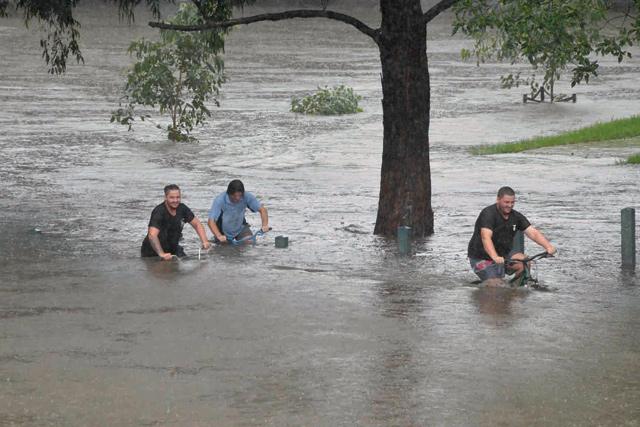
(336, 329)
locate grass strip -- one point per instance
(616, 129)
(634, 159)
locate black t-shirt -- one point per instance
(504, 231)
(170, 227)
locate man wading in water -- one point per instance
(165, 227)
(492, 239)
(226, 217)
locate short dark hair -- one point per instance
(235, 186)
(170, 187)
(505, 191)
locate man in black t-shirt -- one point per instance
(492, 239)
(165, 227)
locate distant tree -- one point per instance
(62, 29)
(551, 35)
(178, 75)
(625, 19)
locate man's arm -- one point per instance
(264, 216)
(155, 243)
(486, 234)
(539, 238)
(216, 232)
(202, 234)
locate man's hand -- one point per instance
(166, 256)
(498, 260)
(265, 228)
(539, 238)
(206, 245)
(222, 238)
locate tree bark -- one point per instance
(405, 182)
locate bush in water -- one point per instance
(328, 101)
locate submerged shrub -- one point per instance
(328, 101)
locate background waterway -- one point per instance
(336, 329)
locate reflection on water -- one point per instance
(400, 300)
(336, 329)
(496, 301)
(164, 270)
(395, 383)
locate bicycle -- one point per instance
(527, 278)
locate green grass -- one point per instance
(616, 129)
(634, 159)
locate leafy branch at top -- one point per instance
(552, 35)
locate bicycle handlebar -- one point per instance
(531, 258)
(253, 237)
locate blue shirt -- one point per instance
(232, 213)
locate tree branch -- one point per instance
(290, 14)
(437, 9)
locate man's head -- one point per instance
(235, 190)
(506, 199)
(172, 195)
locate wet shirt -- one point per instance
(170, 227)
(231, 215)
(504, 231)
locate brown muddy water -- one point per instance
(336, 329)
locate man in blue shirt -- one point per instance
(226, 217)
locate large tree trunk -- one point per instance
(405, 185)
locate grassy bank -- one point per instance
(616, 129)
(634, 160)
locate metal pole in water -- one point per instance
(518, 242)
(404, 239)
(628, 238)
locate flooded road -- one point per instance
(336, 329)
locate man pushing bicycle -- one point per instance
(226, 216)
